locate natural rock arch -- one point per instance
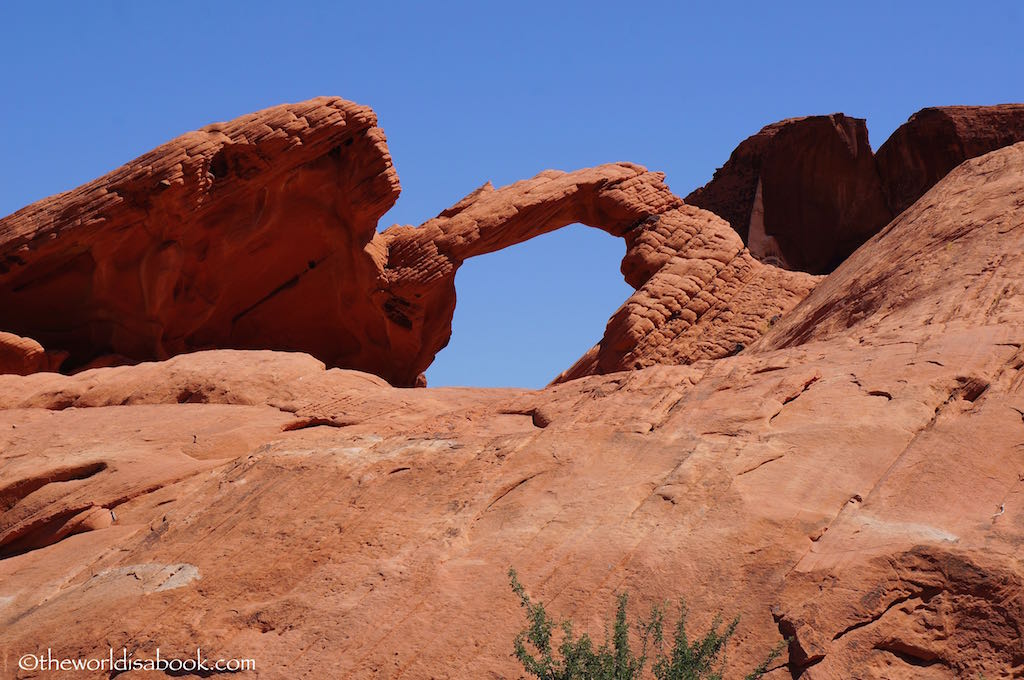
(261, 233)
(526, 312)
(689, 269)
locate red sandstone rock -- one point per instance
(852, 479)
(706, 298)
(922, 552)
(699, 294)
(261, 233)
(895, 283)
(251, 234)
(803, 193)
(22, 356)
(936, 140)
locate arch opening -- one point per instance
(527, 312)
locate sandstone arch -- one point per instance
(261, 233)
(699, 293)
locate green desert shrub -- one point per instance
(577, 658)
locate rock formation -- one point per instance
(218, 238)
(936, 140)
(698, 292)
(932, 540)
(261, 233)
(804, 193)
(851, 480)
(22, 356)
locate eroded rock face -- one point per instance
(803, 193)
(254, 233)
(261, 233)
(973, 210)
(851, 480)
(706, 298)
(936, 140)
(699, 293)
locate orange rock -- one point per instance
(853, 479)
(804, 193)
(22, 356)
(250, 234)
(261, 234)
(699, 293)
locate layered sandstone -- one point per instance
(261, 233)
(852, 480)
(250, 234)
(22, 356)
(698, 295)
(936, 540)
(846, 471)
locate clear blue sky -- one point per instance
(469, 92)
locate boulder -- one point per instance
(22, 356)
(250, 234)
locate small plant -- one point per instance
(614, 659)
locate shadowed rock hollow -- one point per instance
(852, 479)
